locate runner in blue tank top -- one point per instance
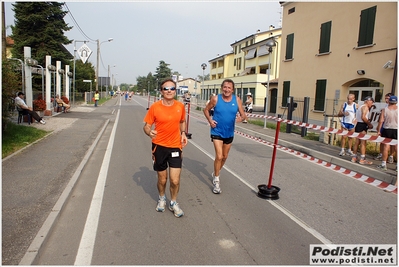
(225, 105)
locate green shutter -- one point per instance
(290, 46)
(325, 34)
(320, 95)
(366, 30)
(286, 93)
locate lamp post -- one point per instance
(22, 72)
(109, 81)
(271, 43)
(203, 66)
(98, 58)
(74, 69)
(33, 62)
(52, 68)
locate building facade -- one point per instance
(250, 65)
(344, 47)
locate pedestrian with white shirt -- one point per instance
(20, 103)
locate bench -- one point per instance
(59, 107)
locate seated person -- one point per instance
(62, 103)
(20, 103)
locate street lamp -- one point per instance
(22, 72)
(109, 81)
(98, 58)
(53, 69)
(271, 43)
(203, 66)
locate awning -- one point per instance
(263, 50)
(246, 71)
(251, 53)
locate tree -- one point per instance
(163, 71)
(41, 26)
(84, 72)
(206, 77)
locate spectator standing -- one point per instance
(379, 156)
(96, 98)
(168, 139)
(389, 122)
(225, 105)
(20, 103)
(362, 125)
(348, 122)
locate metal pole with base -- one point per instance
(270, 191)
(188, 121)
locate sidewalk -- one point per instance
(34, 177)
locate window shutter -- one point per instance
(290, 46)
(286, 93)
(325, 35)
(320, 95)
(366, 30)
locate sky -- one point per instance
(184, 34)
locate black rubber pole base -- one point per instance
(268, 193)
(188, 135)
(147, 108)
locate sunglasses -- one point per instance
(169, 88)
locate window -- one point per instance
(235, 62)
(286, 93)
(320, 95)
(291, 10)
(235, 50)
(366, 30)
(325, 34)
(290, 46)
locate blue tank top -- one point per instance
(225, 116)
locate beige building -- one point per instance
(189, 85)
(344, 47)
(248, 66)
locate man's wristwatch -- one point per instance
(183, 132)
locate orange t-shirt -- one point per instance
(167, 121)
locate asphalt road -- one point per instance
(316, 205)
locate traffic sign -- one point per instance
(84, 53)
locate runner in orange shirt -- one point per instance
(168, 138)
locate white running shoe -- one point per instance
(342, 153)
(161, 204)
(390, 159)
(42, 122)
(216, 185)
(178, 212)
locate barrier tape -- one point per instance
(372, 138)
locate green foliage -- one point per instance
(11, 83)
(84, 72)
(19, 136)
(41, 26)
(163, 71)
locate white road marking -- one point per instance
(86, 246)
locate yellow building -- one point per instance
(247, 65)
(330, 49)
